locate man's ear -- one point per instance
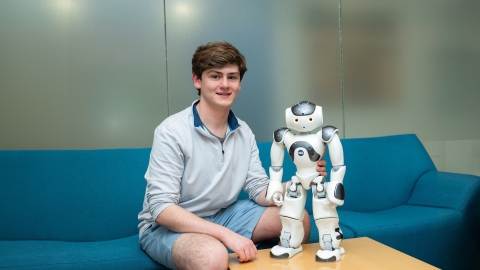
(196, 81)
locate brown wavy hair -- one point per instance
(217, 54)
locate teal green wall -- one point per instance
(82, 74)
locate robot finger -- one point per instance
(278, 199)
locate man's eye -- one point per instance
(233, 78)
(215, 77)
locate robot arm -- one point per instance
(335, 189)
(275, 187)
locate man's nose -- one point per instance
(224, 82)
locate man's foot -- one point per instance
(279, 252)
(328, 255)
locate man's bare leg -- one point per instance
(199, 251)
(269, 226)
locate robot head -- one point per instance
(304, 116)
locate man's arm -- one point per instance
(177, 219)
(163, 187)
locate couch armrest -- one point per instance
(447, 190)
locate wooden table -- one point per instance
(360, 253)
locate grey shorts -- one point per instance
(241, 217)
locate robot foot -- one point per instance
(328, 255)
(279, 252)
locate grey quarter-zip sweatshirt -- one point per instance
(191, 168)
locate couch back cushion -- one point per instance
(381, 171)
(71, 195)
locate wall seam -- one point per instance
(166, 54)
(342, 80)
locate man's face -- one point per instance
(219, 87)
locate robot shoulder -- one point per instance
(279, 134)
(328, 132)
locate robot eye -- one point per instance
(310, 119)
(296, 119)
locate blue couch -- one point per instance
(77, 209)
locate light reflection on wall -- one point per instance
(182, 9)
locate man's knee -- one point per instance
(269, 225)
(306, 226)
(198, 251)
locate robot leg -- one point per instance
(291, 216)
(330, 235)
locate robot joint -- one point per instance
(327, 133)
(286, 239)
(291, 193)
(279, 134)
(318, 195)
(327, 241)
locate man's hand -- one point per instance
(242, 246)
(321, 168)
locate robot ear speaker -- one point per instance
(339, 191)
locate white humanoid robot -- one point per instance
(305, 149)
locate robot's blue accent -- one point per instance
(339, 192)
(278, 134)
(314, 156)
(327, 133)
(303, 108)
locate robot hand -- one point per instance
(274, 193)
(278, 199)
(327, 202)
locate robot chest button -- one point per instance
(300, 152)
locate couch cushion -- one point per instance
(382, 172)
(71, 195)
(435, 189)
(123, 253)
(414, 230)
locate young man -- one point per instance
(201, 158)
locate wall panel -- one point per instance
(81, 73)
(412, 67)
(292, 51)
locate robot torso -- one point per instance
(305, 151)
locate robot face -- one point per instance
(304, 116)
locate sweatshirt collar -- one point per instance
(197, 122)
